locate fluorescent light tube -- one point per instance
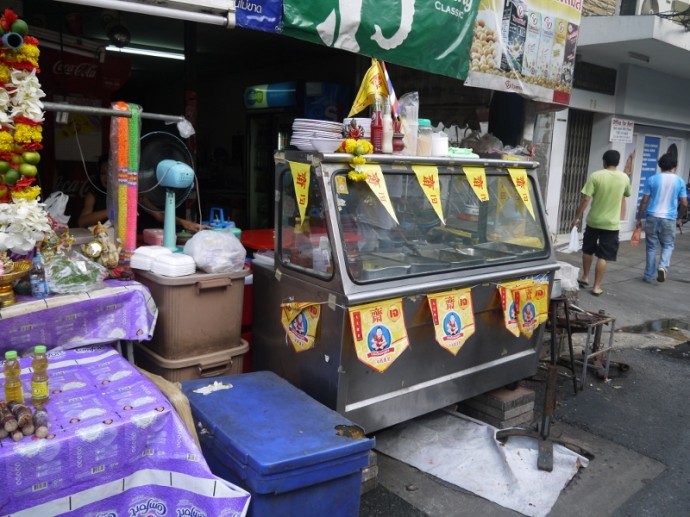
(146, 52)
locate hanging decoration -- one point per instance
(525, 304)
(300, 322)
(379, 333)
(123, 180)
(477, 178)
(377, 184)
(301, 179)
(427, 176)
(358, 147)
(21, 110)
(452, 313)
(521, 182)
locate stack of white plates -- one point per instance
(362, 123)
(304, 129)
(175, 264)
(144, 256)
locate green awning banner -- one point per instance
(430, 35)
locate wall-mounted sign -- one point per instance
(621, 130)
(276, 95)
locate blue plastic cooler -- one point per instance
(280, 445)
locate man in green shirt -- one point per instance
(605, 189)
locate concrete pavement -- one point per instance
(635, 423)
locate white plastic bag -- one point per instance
(55, 205)
(216, 251)
(574, 244)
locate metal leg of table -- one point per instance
(554, 305)
(592, 341)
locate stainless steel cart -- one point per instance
(372, 257)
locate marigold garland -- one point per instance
(357, 147)
(21, 111)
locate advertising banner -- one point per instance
(379, 332)
(430, 36)
(527, 47)
(260, 15)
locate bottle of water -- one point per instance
(37, 277)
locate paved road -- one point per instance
(636, 424)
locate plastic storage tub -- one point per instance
(197, 314)
(223, 362)
(294, 455)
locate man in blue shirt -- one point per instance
(661, 195)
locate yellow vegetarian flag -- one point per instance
(521, 182)
(374, 83)
(427, 175)
(477, 178)
(300, 179)
(300, 321)
(453, 316)
(379, 332)
(377, 184)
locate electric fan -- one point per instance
(166, 179)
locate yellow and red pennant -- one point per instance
(379, 333)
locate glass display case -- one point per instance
(353, 243)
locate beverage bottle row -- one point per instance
(14, 390)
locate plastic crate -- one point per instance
(197, 314)
(293, 454)
(228, 361)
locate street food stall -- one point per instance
(404, 285)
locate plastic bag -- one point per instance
(574, 244)
(55, 205)
(74, 273)
(216, 251)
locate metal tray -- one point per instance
(452, 257)
(505, 248)
(417, 263)
(488, 255)
(375, 267)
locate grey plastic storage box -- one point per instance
(197, 314)
(294, 455)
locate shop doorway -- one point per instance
(578, 139)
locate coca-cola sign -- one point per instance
(87, 70)
(64, 72)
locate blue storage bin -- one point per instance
(280, 445)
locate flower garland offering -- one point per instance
(356, 145)
(21, 110)
(22, 224)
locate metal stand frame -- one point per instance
(593, 324)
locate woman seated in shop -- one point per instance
(95, 206)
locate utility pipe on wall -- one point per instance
(224, 20)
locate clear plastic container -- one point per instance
(424, 137)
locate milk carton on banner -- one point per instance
(513, 33)
(545, 46)
(531, 55)
(559, 37)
